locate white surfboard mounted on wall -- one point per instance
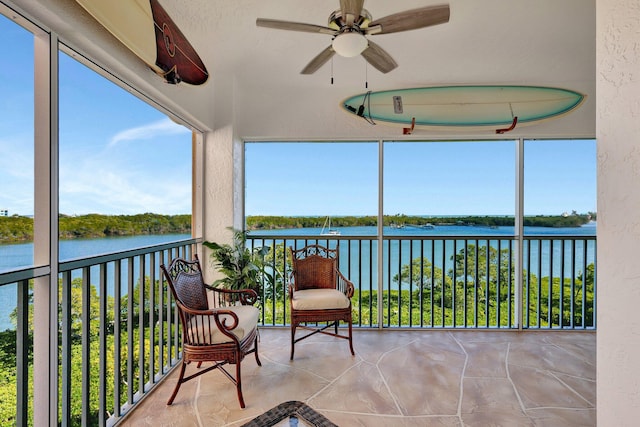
(146, 29)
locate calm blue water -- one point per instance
(14, 256)
(446, 230)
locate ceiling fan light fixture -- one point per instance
(349, 44)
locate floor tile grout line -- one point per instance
(571, 353)
(195, 401)
(571, 388)
(562, 408)
(513, 384)
(290, 365)
(593, 380)
(401, 416)
(333, 382)
(384, 380)
(462, 377)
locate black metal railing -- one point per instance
(19, 378)
(452, 281)
(117, 330)
(117, 326)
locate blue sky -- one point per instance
(434, 178)
(119, 155)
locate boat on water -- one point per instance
(327, 230)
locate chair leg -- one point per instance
(255, 344)
(350, 339)
(293, 338)
(178, 384)
(239, 385)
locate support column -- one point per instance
(45, 292)
(219, 189)
(618, 137)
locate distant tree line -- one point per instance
(20, 229)
(260, 222)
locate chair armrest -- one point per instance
(345, 285)
(227, 297)
(216, 313)
(292, 285)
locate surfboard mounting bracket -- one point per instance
(510, 128)
(409, 131)
(366, 111)
(171, 76)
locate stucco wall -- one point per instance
(618, 134)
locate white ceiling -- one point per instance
(256, 85)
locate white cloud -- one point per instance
(106, 181)
(160, 128)
(96, 186)
(16, 175)
(139, 179)
(16, 157)
(121, 192)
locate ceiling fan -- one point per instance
(351, 23)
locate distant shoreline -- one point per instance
(257, 222)
(19, 229)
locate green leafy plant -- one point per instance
(242, 267)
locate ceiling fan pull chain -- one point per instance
(366, 75)
(331, 70)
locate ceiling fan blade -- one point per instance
(318, 61)
(294, 26)
(410, 20)
(379, 58)
(351, 10)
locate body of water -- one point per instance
(15, 256)
(438, 230)
(20, 255)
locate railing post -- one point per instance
(380, 231)
(22, 360)
(519, 230)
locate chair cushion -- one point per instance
(204, 330)
(319, 299)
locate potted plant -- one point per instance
(242, 267)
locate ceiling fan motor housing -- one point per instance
(338, 22)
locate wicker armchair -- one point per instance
(318, 293)
(223, 332)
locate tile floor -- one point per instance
(399, 378)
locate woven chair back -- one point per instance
(186, 283)
(314, 267)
